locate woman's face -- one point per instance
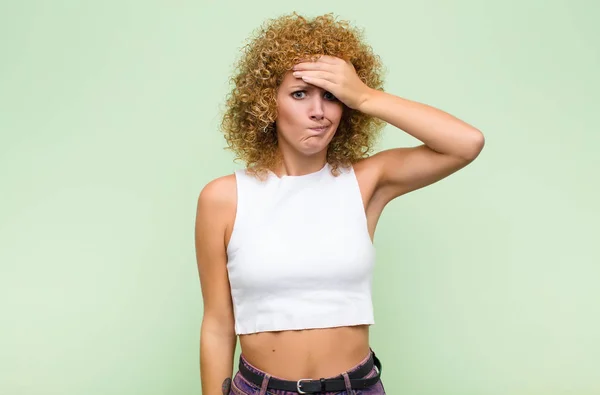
(301, 110)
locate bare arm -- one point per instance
(449, 144)
(216, 204)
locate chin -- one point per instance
(314, 149)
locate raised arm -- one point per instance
(449, 144)
(216, 206)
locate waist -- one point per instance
(314, 310)
(293, 355)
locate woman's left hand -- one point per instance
(336, 76)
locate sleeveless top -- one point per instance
(300, 255)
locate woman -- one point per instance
(284, 247)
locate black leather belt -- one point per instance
(310, 386)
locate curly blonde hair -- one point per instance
(272, 50)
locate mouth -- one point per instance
(321, 129)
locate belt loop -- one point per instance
(348, 385)
(322, 380)
(265, 384)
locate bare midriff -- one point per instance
(307, 354)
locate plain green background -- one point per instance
(486, 282)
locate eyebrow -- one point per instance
(301, 86)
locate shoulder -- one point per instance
(218, 197)
(367, 171)
(370, 174)
(374, 165)
(367, 167)
(219, 190)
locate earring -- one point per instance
(268, 128)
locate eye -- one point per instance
(295, 94)
(329, 96)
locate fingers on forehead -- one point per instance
(319, 58)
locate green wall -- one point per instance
(486, 282)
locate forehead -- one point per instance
(291, 82)
(289, 79)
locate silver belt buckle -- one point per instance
(298, 386)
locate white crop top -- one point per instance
(300, 255)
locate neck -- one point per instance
(299, 165)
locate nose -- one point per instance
(317, 109)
